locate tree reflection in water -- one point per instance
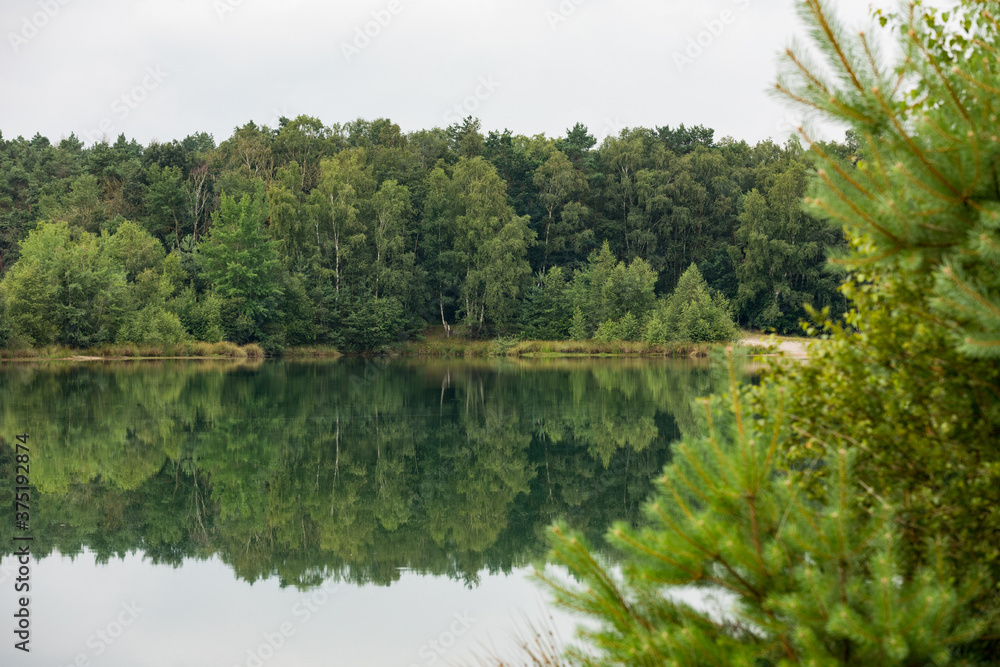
(351, 470)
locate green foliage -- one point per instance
(492, 242)
(605, 291)
(345, 182)
(911, 376)
(608, 330)
(776, 255)
(65, 290)
(372, 325)
(134, 248)
(657, 331)
(691, 314)
(545, 314)
(798, 582)
(392, 265)
(152, 325)
(578, 329)
(241, 261)
(559, 183)
(627, 328)
(298, 313)
(501, 346)
(922, 417)
(451, 224)
(27, 299)
(927, 414)
(920, 202)
(4, 322)
(201, 315)
(167, 204)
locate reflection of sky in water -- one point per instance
(200, 615)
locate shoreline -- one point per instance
(430, 347)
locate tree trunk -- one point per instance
(447, 329)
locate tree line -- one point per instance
(358, 235)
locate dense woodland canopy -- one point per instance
(358, 235)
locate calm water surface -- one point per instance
(202, 514)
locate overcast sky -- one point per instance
(164, 69)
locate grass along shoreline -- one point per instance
(187, 350)
(458, 347)
(432, 345)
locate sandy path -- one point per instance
(791, 348)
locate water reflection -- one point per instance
(354, 470)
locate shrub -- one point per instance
(152, 325)
(201, 316)
(254, 351)
(608, 331)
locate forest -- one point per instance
(842, 508)
(359, 235)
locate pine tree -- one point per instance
(691, 314)
(578, 329)
(923, 200)
(911, 372)
(544, 315)
(800, 583)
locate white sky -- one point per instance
(552, 63)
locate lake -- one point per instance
(281, 513)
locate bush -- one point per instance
(608, 331)
(629, 328)
(202, 317)
(370, 325)
(152, 325)
(254, 351)
(502, 346)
